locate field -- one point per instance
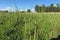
(29, 26)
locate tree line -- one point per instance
(50, 8)
(43, 8)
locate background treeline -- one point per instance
(50, 8)
(43, 8)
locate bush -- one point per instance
(28, 10)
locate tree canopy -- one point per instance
(50, 8)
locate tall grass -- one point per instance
(23, 26)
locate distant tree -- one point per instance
(37, 8)
(47, 9)
(58, 7)
(51, 9)
(22, 11)
(5, 11)
(40, 9)
(28, 10)
(43, 8)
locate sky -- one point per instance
(24, 4)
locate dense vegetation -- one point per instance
(51, 8)
(24, 26)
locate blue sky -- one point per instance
(25, 4)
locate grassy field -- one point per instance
(29, 26)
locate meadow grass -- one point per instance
(29, 26)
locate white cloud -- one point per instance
(33, 10)
(21, 10)
(54, 4)
(9, 9)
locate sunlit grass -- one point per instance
(29, 26)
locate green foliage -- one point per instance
(37, 8)
(43, 8)
(51, 8)
(28, 10)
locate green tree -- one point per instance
(58, 7)
(51, 9)
(28, 10)
(37, 8)
(47, 9)
(43, 8)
